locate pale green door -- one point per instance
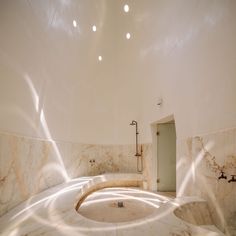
(166, 157)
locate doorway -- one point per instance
(166, 157)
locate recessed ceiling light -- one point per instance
(74, 23)
(100, 58)
(128, 35)
(126, 8)
(94, 28)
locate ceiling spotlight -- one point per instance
(126, 8)
(74, 23)
(100, 58)
(94, 28)
(128, 35)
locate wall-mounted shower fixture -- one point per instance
(134, 122)
(138, 154)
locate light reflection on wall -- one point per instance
(33, 92)
(59, 167)
(14, 232)
(190, 178)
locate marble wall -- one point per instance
(202, 159)
(28, 166)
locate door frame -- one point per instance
(166, 119)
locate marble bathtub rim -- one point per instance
(169, 218)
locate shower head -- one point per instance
(134, 122)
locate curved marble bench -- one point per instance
(108, 181)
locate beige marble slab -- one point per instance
(52, 212)
(29, 166)
(200, 160)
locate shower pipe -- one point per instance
(137, 154)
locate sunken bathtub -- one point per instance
(85, 206)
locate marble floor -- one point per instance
(170, 195)
(52, 212)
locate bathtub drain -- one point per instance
(120, 204)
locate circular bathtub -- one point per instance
(115, 205)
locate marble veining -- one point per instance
(52, 213)
(202, 160)
(29, 166)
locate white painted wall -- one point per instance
(182, 51)
(48, 66)
(195, 59)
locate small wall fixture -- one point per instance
(159, 102)
(223, 176)
(233, 179)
